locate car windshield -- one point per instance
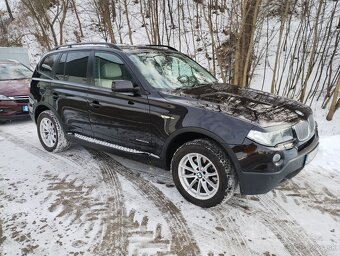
(170, 71)
(14, 71)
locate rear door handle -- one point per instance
(95, 104)
(55, 96)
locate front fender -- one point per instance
(200, 132)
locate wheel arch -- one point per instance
(38, 110)
(187, 134)
(41, 108)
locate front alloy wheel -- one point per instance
(203, 173)
(198, 176)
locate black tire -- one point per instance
(226, 180)
(61, 142)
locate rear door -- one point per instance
(70, 87)
(118, 118)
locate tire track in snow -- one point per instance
(181, 242)
(322, 200)
(36, 151)
(114, 237)
(288, 231)
(234, 239)
(121, 231)
(114, 234)
(54, 160)
(108, 234)
(291, 235)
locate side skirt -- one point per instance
(110, 145)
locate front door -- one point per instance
(118, 118)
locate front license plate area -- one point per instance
(311, 155)
(24, 109)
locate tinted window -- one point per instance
(76, 67)
(47, 65)
(109, 67)
(60, 67)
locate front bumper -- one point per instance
(266, 175)
(10, 110)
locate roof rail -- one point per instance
(110, 45)
(162, 45)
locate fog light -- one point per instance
(276, 158)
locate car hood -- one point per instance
(258, 107)
(14, 87)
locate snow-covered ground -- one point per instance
(84, 202)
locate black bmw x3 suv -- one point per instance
(155, 101)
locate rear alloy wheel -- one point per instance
(203, 173)
(50, 132)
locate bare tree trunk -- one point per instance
(312, 60)
(106, 12)
(32, 9)
(279, 44)
(171, 15)
(50, 23)
(335, 101)
(157, 22)
(179, 26)
(165, 25)
(144, 21)
(74, 7)
(249, 48)
(208, 19)
(62, 21)
(9, 10)
(128, 21)
(237, 61)
(244, 44)
(153, 10)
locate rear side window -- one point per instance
(76, 67)
(60, 67)
(46, 68)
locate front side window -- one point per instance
(47, 65)
(14, 71)
(170, 71)
(109, 67)
(76, 67)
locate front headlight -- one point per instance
(3, 97)
(273, 138)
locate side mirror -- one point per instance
(124, 86)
